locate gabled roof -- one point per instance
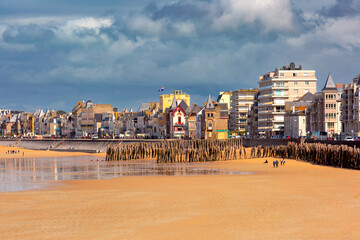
(307, 97)
(144, 106)
(209, 103)
(193, 109)
(183, 105)
(329, 85)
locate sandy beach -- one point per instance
(295, 201)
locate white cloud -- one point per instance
(272, 14)
(72, 28)
(343, 32)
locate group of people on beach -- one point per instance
(276, 162)
(13, 152)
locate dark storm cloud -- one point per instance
(341, 8)
(121, 53)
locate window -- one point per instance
(306, 74)
(179, 120)
(306, 82)
(281, 74)
(294, 74)
(295, 83)
(210, 125)
(280, 84)
(296, 91)
(279, 92)
(330, 125)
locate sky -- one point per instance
(55, 53)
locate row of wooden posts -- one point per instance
(181, 151)
(342, 156)
(178, 151)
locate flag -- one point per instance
(161, 89)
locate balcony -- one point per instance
(278, 112)
(265, 96)
(266, 104)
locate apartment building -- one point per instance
(288, 83)
(350, 108)
(241, 102)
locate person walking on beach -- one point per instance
(283, 162)
(277, 163)
(274, 163)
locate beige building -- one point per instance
(324, 113)
(241, 102)
(214, 121)
(350, 109)
(288, 83)
(90, 116)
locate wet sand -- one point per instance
(295, 201)
(28, 153)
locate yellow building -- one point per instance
(166, 100)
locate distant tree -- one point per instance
(60, 112)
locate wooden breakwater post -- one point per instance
(178, 151)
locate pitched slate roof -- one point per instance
(329, 83)
(193, 109)
(174, 103)
(307, 97)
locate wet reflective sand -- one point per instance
(35, 173)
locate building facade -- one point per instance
(241, 102)
(324, 113)
(288, 83)
(350, 108)
(214, 121)
(295, 120)
(167, 100)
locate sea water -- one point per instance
(36, 173)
